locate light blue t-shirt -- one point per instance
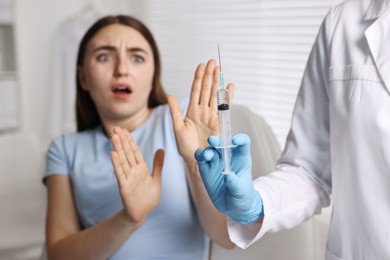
(172, 230)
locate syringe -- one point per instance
(223, 102)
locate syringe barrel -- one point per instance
(224, 127)
(224, 116)
(223, 99)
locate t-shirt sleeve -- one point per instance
(56, 159)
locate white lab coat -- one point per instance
(339, 142)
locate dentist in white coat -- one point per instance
(339, 145)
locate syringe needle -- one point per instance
(221, 79)
(219, 58)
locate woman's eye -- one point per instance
(103, 57)
(138, 59)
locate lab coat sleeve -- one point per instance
(301, 184)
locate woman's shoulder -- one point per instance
(76, 139)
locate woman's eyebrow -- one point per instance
(105, 47)
(136, 49)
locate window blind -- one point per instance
(264, 48)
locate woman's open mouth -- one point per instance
(121, 91)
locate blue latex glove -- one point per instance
(232, 194)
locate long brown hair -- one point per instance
(86, 113)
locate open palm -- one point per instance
(201, 119)
(139, 190)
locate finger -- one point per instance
(112, 132)
(207, 155)
(214, 140)
(126, 140)
(211, 155)
(121, 176)
(116, 141)
(243, 144)
(207, 84)
(216, 86)
(158, 165)
(230, 88)
(121, 154)
(176, 113)
(197, 85)
(199, 155)
(202, 163)
(139, 158)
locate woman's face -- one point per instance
(118, 71)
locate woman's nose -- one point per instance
(122, 68)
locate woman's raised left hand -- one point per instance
(201, 119)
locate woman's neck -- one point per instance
(128, 123)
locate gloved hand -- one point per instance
(232, 194)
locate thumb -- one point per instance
(157, 165)
(175, 110)
(243, 143)
(233, 183)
